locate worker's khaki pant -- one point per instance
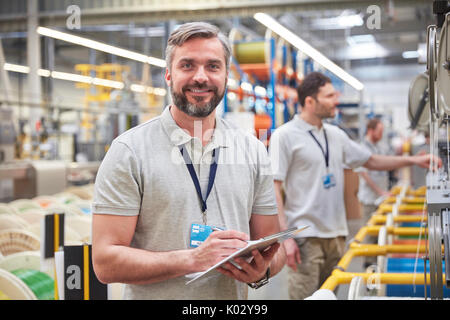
(319, 256)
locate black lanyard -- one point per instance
(212, 177)
(325, 153)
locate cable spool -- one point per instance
(382, 240)
(25, 260)
(66, 197)
(5, 208)
(16, 240)
(80, 192)
(14, 288)
(24, 204)
(389, 223)
(442, 71)
(407, 265)
(40, 283)
(86, 205)
(250, 52)
(68, 209)
(12, 221)
(32, 216)
(71, 237)
(322, 294)
(81, 225)
(356, 289)
(418, 103)
(45, 201)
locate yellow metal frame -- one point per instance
(386, 208)
(398, 231)
(377, 219)
(412, 202)
(340, 276)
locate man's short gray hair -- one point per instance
(192, 30)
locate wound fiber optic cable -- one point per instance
(40, 283)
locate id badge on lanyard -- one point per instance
(199, 232)
(328, 180)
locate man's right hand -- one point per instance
(218, 245)
(292, 253)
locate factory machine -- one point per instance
(438, 179)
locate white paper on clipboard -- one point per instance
(246, 252)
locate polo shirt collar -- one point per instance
(305, 125)
(179, 136)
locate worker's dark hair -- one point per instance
(372, 124)
(310, 86)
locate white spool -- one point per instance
(12, 221)
(17, 240)
(24, 260)
(322, 294)
(81, 225)
(382, 240)
(356, 289)
(14, 288)
(32, 216)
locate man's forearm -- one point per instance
(280, 204)
(278, 261)
(387, 163)
(138, 266)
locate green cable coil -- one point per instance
(40, 283)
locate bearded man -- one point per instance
(172, 200)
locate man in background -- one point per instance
(308, 159)
(373, 184)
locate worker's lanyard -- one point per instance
(212, 177)
(325, 152)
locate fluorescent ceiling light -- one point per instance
(71, 77)
(44, 73)
(340, 22)
(16, 68)
(100, 46)
(367, 50)
(410, 54)
(307, 49)
(363, 38)
(85, 79)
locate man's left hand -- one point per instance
(250, 271)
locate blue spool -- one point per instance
(406, 265)
(410, 224)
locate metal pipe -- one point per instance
(339, 277)
(398, 231)
(385, 208)
(407, 200)
(381, 219)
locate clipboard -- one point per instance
(246, 252)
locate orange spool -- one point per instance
(263, 123)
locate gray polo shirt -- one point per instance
(366, 194)
(143, 173)
(298, 161)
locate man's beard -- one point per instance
(181, 102)
(323, 113)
